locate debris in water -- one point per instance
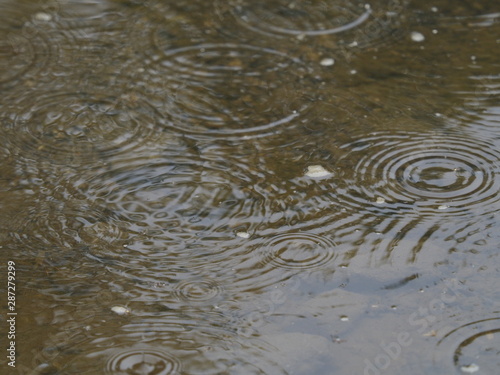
(417, 37)
(45, 17)
(443, 207)
(317, 171)
(243, 234)
(432, 333)
(470, 369)
(380, 200)
(327, 61)
(120, 310)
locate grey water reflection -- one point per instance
(250, 187)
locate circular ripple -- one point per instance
(76, 126)
(226, 89)
(25, 48)
(178, 212)
(143, 362)
(75, 224)
(209, 86)
(198, 290)
(209, 61)
(165, 198)
(299, 251)
(94, 38)
(304, 19)
(361, 24)
(474, 346)
(481, 111)
(428, 172)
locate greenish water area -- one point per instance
(249, 187)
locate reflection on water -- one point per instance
(251, 187)
(474, 345)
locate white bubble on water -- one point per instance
(120, 310)
(417, 37)
(327, 61)
(470, 369)
(317, 171)
(45, 17)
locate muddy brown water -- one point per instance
(250, 187)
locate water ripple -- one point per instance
(25, 48)
(307, 19)
(212, 86)
(356, 23)
(175, 215)
(226, 89)
(299, 250)
(472, 347)
(166, 343)
(75, 126)
(159, 198)
(96, 42)
(480, 112)
(428, 173)
(143, 361)
(215, 61)
(470, 68)
(198, 291)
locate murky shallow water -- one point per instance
(157, 203)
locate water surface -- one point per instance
(158, 202)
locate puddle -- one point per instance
(249, 187)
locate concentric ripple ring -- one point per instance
(216, 60)
(474, 346)
(75, 125)
(430, 172)
(197, 290)
(299, 251)
(292, 20)
(143, 362)
(227, 89)
(25, 47)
